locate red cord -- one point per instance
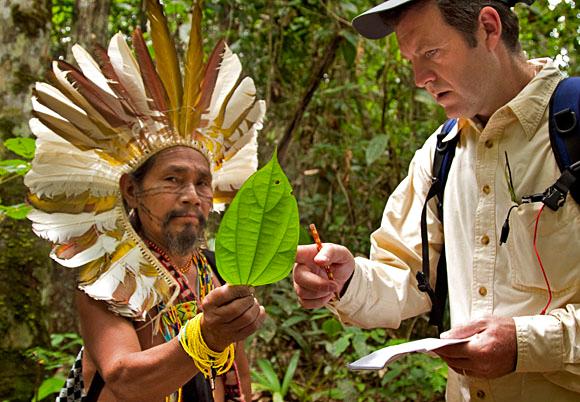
(540, 261)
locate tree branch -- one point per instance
(315, 79)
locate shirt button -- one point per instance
(489, 143)
(486, 189)
(483, 292)
(485, 240)
(481, 394)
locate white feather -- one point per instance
(60, 227)
(104, 287)
(70, 111)
(104, 244)
(240, 101)
(50, 180)
(229, 72)
(39, 107)
(78, 98)
(254, 117)
(44, 134)
(128, 72)
(91, 69)
(236, 170)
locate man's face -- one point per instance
(174, 198)
(454, 74)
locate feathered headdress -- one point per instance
(97, 123)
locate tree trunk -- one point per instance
(90, 23)
(24, 265)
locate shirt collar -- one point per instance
(530, 104)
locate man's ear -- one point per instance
(128, 188)
(490, 22)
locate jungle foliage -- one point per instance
(346, 118)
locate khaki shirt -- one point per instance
(486, 278)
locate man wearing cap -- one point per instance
(525, 326)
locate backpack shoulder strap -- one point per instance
(565, 140)
(444, 153)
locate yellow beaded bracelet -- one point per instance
(205, 359)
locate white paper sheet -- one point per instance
(382, 357)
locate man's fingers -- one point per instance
(466, 330)
(459, 351)
(491, 351)
(254, 320)
(312, 282)
(328, 255)
(226, 294)
(233, 320)
(305, 254)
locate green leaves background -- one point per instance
(258, 236)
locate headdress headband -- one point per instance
(94, 124)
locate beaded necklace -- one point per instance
(174, 317)
(183, 269)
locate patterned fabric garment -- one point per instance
(74, 387)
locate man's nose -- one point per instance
(188, 194)
(423, 74)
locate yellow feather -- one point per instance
(166, 59)
(189, 117)
(65, 203)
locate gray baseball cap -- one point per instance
(370, 25)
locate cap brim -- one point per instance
(370, 25)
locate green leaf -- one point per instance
(332, 327)
(258, 236)
(376, 148)
(304, 237)
(21, 146)
(349, 51)
(18, 211)
(269, 375)
(48, 387)
(340, 345)
(298, 338)
(290, 373)
(351, 8)
(12, 166)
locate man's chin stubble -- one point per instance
(185, 242)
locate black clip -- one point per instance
(555, 195)
(554, 198)
(423, 283)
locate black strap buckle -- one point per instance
(554, 198)
(555, 195)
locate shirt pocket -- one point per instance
(558, 245)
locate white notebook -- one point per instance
(382, 357)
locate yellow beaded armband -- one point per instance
(210, 363)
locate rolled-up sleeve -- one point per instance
(550, 344)
(383, 290)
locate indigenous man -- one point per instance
(466, 54)
(129, 163)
